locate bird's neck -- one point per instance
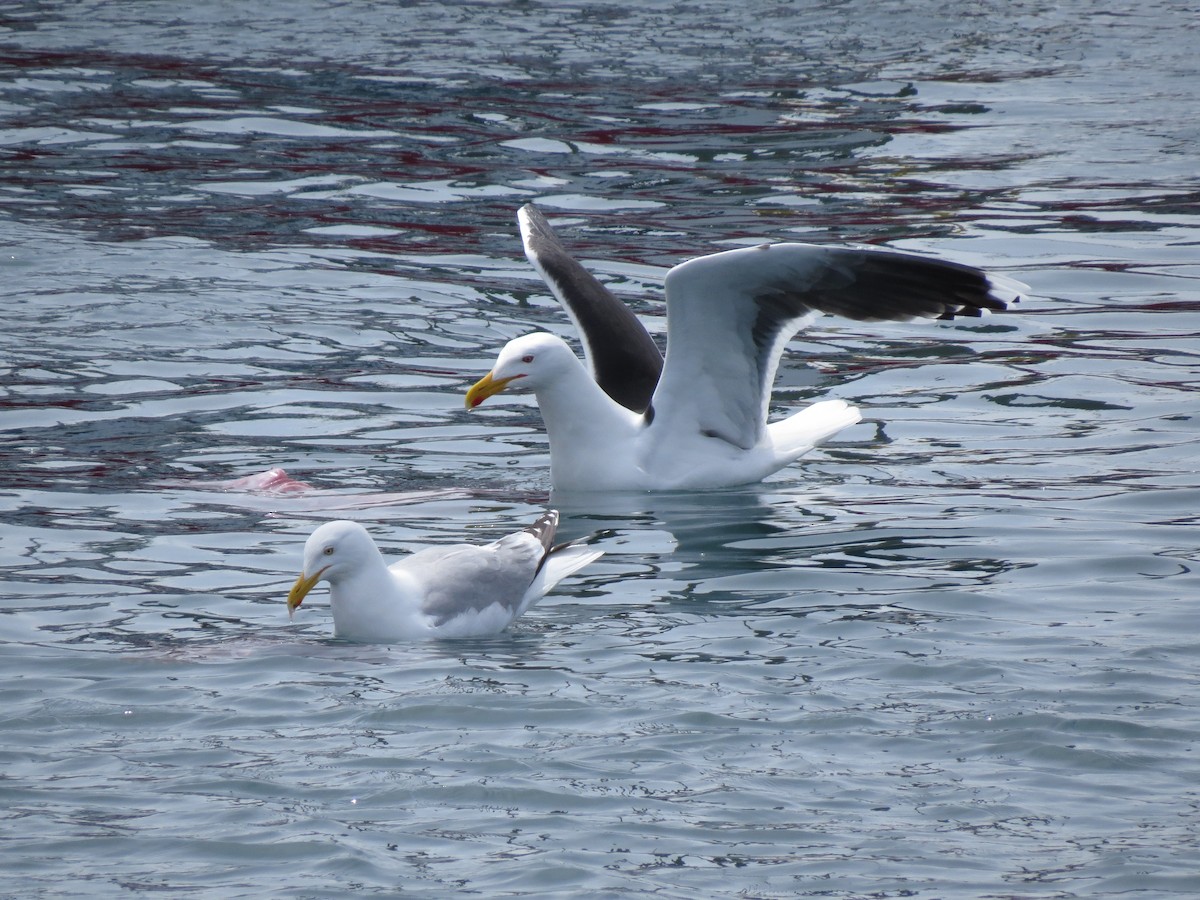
(584, 425)
(371, 601)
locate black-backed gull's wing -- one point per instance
(730, 314)
(624, 359)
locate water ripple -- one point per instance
(949, 655)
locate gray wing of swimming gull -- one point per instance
(464, 578)
(625, 361)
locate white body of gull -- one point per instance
(456, 591)
(699, 419)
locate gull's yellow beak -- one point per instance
(300, 589)
(485, 387)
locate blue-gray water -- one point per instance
(953, 654)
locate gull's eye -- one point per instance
(527, 359)
(329, 551)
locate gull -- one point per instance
(698, 419)
(455, 591)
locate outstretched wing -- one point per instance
(729, 316)
(624, 359)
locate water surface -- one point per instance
(952, 654)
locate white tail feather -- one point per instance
(558, 566)
(799, 433)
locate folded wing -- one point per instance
(464, 579)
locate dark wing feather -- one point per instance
(625, 361)
(544, 530)
(884, 285)
(730, 314)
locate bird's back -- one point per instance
(465, 580)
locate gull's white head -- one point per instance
(532, 361)
(334, 548)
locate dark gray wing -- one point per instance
(870, 284)
(625, 361)
(729, 316)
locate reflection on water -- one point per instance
(239, 239)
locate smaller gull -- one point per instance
(455, 591)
